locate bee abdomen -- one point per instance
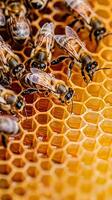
(8, 125)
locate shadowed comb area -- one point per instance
(59, 155)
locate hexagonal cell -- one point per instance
(108, 41)
(58, 156)
(45, 165)
(88, 158)
(18, 162)
(32, 171)
(18, 177)
(29, 140)
(46, 180)
(108, 72)
(106, 126)
(77, 79)
(89, 144)
(91, 131)
(6, 197)
(74, 135)
(81, 95)
(105, 139)
(103, 153)
(5, 169)
(58, 126)
(59, 112)
(43, 133)
(99, 76)
(19, 191)
(73, 165)
(43, 105)
(75, 122)
(86, 187)
(44, 150)
(72, 149)
(96, 90)
(4, 184)
(108, 85)
(108, 99)
(102, 167)
(16, 148)
(4, 154)
(15, 86)
(31, 156)
(31, 98)
(78, 108)
(103, 13)
(107, 113)
(92, 117)
(28, 111)
(43, 118)
(58, 141)
(29, 125)
(107, 55)
(95, 104)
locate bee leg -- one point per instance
(70, 69)
(90, 34)
(4, 141)
(73, 22)
(29, 91)
(83, 75)
(59, 60)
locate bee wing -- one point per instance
(5, 46)
(2, 100)
(82, 7)
(70, 33)
(41, 79)
(68, 45)
(46, 35)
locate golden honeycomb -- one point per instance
(59, 155)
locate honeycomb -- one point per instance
(59, 155)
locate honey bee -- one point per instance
(8, 126)
(14, 7)
(45, 82)
(77, 54)
(5, 80)
(10, 102)
(86, 16)
(37, 4)
(9, 61)
(41, 55)
(18, 24)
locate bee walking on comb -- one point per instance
(77, 53)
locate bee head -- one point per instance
(18, 70)
(69, 95)
(37, 5)
(91, 65)
(19, 103)
(99, 33)
(41, 66)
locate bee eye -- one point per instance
(19, 105)
(88, 67)
(36, 5)
(95, 63)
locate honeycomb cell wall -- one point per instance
(59, 155)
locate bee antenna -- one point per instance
(107, 34)
(103, 69)
(72, 107)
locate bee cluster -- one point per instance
(33, 74)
